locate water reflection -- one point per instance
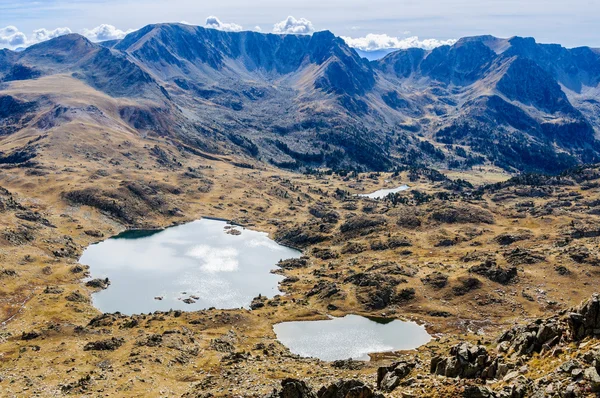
(190, 267)
(352, 336)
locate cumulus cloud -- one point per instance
(374, 42)
(213, 22)
(40, 35)
(292, 25)
(104, 32)
(11, 37)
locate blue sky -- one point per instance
(571, 23)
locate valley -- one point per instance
(466, 262)
(161, 130)
(297, 101)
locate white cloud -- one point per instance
(373, 42)
(11, 37)
(257, 28)
(295, 26)
(105, 32)
(40, 35)
(213, 22)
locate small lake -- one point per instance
(208, 263)
(352, 336)
(382, 193)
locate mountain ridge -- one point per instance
(312, 101)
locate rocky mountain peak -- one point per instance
(283, 93)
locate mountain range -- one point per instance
(301, 101)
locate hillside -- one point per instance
(175, 123)
(300, 101)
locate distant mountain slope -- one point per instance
(101, 68)
(507, 99)
(177, 52)
(312, 101)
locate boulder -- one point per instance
(466, 361)
(100, 283)
(584, 321)
(389, 377)
(363, 279)
(532, 338)
(104, 345)
(258, 302)
(507, 239)
(292, 388)
(77, 297)
(478, 392)
(30, 335)
(593, 378)
(519, 389)
(294, 263)
(495, 273)
(347, 389)
(324, 213)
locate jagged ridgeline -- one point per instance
(311, 101)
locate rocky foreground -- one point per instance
(468, 260)
(567, 344)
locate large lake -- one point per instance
(199, 262)
(352, 336)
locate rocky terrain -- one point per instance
(303, 102)
(174, 123)
(491, 269)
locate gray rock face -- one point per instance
(478, 392)
(389, 377)
(591, 375)
(532, 338)
(292, 388)
(466, 361)
(505, 99)
(517, 390)
(585, 320)
(529, 84)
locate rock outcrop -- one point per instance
(292, 388)
(532, 338)
(584, 321)
(389, 377)
(104, 345)
(465, 361)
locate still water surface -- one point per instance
(352, 336)
(199, 261)
(382, 193)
